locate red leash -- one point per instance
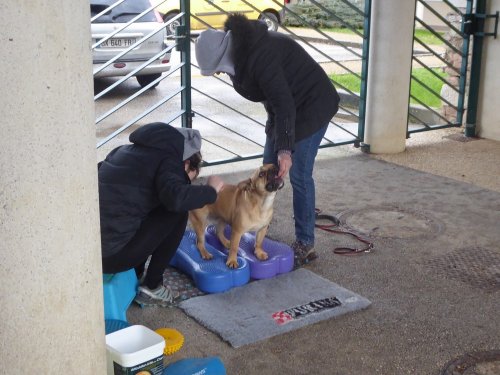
(336, 223)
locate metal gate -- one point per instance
(334, 32)
(439, 92)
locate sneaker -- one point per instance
(303, 254)
(161, 296)
(142, 277)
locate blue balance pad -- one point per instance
(280, 255)
(210, 276)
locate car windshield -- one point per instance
(123, 12)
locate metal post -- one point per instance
(411, 71)
(185, 51)
(364, 74)
(463, 69)
(475, 72)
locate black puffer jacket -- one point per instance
(272, 68)
(135, 179)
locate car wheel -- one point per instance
(147, 79)
(171, 28)
(271, 20)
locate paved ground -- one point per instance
(433, 279)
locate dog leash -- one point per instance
(336, 223)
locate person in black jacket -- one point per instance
(145, 194)
(300, 100)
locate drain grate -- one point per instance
(389, 221)
(476, 266)
(487, 362)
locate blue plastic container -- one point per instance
(119, 292)
(192, 366)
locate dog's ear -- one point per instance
(245, 185)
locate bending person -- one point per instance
(300, 100)
(145, 194)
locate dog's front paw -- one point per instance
(206, 255)
(261, 254)
(226, 244)
(232, 262)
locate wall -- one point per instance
(488, 119)
(51, 320)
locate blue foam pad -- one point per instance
(119, 291)
(280, 255)
(210, 276)
(192, 366)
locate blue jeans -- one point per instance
(301, 178)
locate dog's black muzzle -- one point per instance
(274, 183)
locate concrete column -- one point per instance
(389, 75)
(488, 121)
(51, 316)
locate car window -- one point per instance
(123, 12)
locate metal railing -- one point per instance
(314, 40)
(232, 128)
(439, 67)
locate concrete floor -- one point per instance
(448, 153)
(433, 213)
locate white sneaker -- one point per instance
(161, 296)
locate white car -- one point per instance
(131, 35)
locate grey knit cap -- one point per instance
(213, 52)
(192, 142)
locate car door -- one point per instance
(269, 11)
(213, 12)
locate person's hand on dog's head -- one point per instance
(215, 182)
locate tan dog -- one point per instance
(247, 206)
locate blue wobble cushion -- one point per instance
(192, 366)
(210, 276)
(280, 255)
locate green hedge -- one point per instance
(319, 18)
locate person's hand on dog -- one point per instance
(215, 182)
(284, 163)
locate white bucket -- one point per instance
(135, 350)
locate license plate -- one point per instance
(118, 43)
